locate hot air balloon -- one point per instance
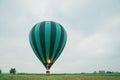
(47, 40)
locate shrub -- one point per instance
(12, 71)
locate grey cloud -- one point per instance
(92, 28)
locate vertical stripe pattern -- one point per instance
(47, 40)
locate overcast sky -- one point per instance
(93, 30)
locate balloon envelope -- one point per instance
(47, 40)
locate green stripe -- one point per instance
(32, 45)
(37, 39)
(47, 38)
(57, 40)
(62, 47)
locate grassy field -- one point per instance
(61, 77)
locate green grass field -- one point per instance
(61, 77)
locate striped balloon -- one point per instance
(47, 40)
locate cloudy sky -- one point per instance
(93, 28)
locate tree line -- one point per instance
(11, 71)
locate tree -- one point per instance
(12, 71)
(94, 72)
(0, 71)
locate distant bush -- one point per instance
(12, 71)
(109, 72)
(0, 71)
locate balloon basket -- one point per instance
(47, 72)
